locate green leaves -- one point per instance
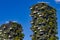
(45, 19)
(11, 31)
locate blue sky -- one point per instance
(19, 10)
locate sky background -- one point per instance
(19, 10)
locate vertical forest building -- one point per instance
(11, 31)
(44, 24)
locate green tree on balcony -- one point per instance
(11, 31)
(44, 24)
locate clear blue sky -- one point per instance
(19, 10)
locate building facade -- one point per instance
(44, 24)
(11, 31)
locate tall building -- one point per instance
(11, 31)
(44, 24)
